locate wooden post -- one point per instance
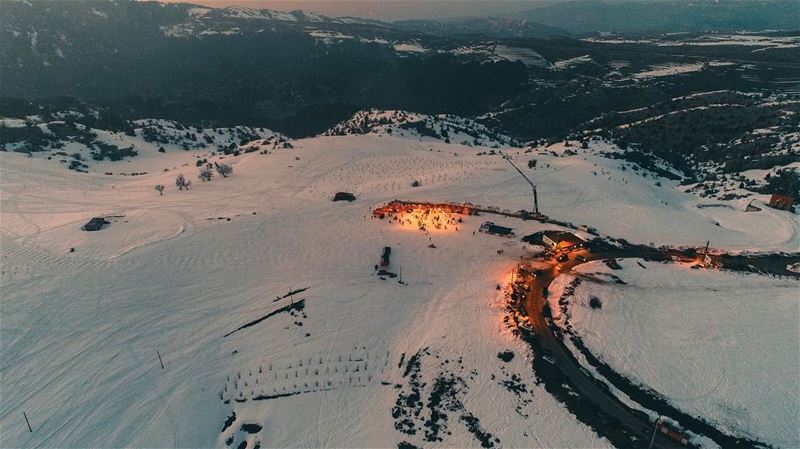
(159, 359)
(27, 422)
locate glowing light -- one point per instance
(427, 219)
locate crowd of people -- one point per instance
(427, 220)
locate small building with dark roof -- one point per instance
(344, 196)
(491, 228)
(561, 239)
(782, 202)
(95, 224)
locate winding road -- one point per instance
(637, 427)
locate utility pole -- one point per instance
(27, 422)
(655, 428)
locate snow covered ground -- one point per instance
(721, 346)
(669, 69)
(524, 55)
(82, 330)
(173, 274)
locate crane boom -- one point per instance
(533, 186)
(520, 171)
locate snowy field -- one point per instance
(173, 274)
(524, 55)
(82, 330)
(720, 346)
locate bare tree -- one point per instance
(159, 188)
(205, 174)
(182, 182)
(224, 169)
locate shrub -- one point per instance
(784, 182)
(205, 174)
(224, 170)
(182, 183)
(505, 356)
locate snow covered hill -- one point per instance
(443, 127)
(173, 274)
(201, 22)
(65, 139)
(199, 279)
(731, 337)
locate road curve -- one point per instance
(589, 388)
(579, 379)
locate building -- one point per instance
(95, 224)
(344, 196)
(782, 202)
(491, 228)
(561, 239)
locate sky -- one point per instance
(384, 9)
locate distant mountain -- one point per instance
(476, 81)
(295, 72)
(494, 27)
(586, 16)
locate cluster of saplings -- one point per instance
(206, 174)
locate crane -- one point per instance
(533, 186)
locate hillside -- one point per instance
(740, 159)
(336, 362)
(300, 73)
(143, 59)
(662, 314)
(443, 127)
(65, 138)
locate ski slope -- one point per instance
(173, 274)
